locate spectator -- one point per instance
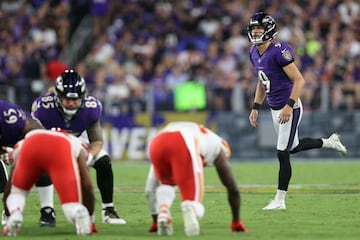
(349, 11)
(118, 92)
(189, 32)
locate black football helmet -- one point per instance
(72, 86)
(265, 21)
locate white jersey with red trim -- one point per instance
(75, 142)
(208, 142)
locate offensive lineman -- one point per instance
(14, 124)
(64, 159)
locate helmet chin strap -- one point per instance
(256, 41)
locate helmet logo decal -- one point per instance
(69, 85)
(264, 21)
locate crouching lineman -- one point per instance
(178, 154)
(14, 124)
(63, 158)
(69, 108)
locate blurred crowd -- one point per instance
(143, 49)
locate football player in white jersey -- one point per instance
(63, 154)
(178, 154)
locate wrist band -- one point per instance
(256, 106)
(291, 102)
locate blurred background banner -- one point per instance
(127, 135)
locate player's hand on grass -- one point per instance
(94, 228)
(238, 226)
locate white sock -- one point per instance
(46, 195)
(280, 195)
(106, 205)
(199, 207)
(16, 199)
(70, 210)
(165, 195)
(326, 143)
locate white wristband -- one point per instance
(89, 159)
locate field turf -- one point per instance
(323, 202)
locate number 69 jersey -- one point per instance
(45, 109)
(12, 123)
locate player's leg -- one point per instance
(3, 181)
(161, 157)
(165, 195)
(15, 203)
(191, 184)
(333, 142)
(287, 136)
(150, 192)
(3, 176)
(22, 177)
(105, 182)
(74, 189)
(45, 190)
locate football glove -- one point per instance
(238, 226)
(93, 228)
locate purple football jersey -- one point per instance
(12, 123)
(268, 67)
(45, 109)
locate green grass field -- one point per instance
(323, 202)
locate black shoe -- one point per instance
(47, 218)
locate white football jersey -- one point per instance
(208, 142)
(75, 142)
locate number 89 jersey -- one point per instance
(46, 110)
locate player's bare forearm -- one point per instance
(234, 201)
(95, 138)
(225, 174)
(86, 185)
(294, 74)
(297, 89)
(32, 124)
(259, 93)
(258, 100)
